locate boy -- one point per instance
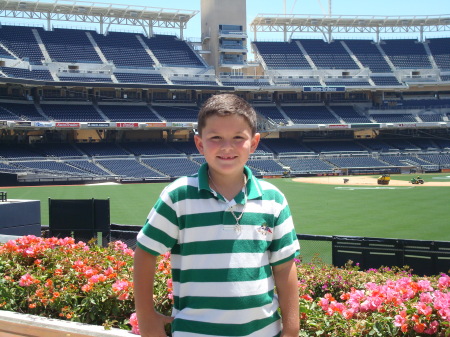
(231, 238)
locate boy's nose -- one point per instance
(227, 144)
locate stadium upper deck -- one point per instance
(372, 79)
(70, 55)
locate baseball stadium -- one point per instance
(98, 113)
(355, 131)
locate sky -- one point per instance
(255, 7)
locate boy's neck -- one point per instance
(228, 187)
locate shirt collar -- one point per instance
(254, 189)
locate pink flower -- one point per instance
(423, 309)
(444, 282)
(432, 329)
(419, 327)
(109, 271)
(27, 280)
(424, 285)
(348, 313)
(426, 298)
(134, 324)
(122, 288)
(123, 296)
(307, 298)
(89, 273)
(121, 285)
(97, 278)
(323, 302)
(86, 287)
(401, 320)
(169, 283)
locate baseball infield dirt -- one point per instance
(367, 181)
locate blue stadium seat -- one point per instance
(393, 118)
(369, 55)
(152, 78)
(357, 162)
(20, 111)
(102, 149)
(124, 50)
(173, 52)
(307, 165)
(43, 74)
(309, 114)
(22, 42)
(173, 167)
(440, 49)
(69, 45)
(349, 114)
(328, 55)
(177, 113)
(124, 113)
(129, 168)
(72, 113)
(281, 55)
(406, 53)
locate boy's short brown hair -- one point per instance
(225, 105)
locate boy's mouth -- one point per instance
(227, 157)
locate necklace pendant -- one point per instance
(238, 228)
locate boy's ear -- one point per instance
(255, 142)
(198, 143)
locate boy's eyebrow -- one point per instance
(220, 131)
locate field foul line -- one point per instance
(373, 188)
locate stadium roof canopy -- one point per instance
(327, 25)
(99, 13)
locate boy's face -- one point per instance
(226, 142)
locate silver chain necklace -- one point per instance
(237, 226)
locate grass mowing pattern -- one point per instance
(418, 213)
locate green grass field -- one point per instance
(421, 213)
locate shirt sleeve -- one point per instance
(285, 245)
(160, 232)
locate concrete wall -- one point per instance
(215, 13)
(13, 324)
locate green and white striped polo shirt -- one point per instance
(222, 278)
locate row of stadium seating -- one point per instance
(383, 57)
(284, 114)
(80, 46)
(170, 167)
(267, 147)
(135, 58)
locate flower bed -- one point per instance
(59, 278)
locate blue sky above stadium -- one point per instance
(255, 7)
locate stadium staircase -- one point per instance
(334, 114)
(149, 52)
(96, 47)
(352, 55)
(387, 59)
(430, 56)
(100, 112)
(307, 57)
(41, 46)
(286, 117)
(41, 112)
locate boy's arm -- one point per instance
(151, 323)
(286, 282)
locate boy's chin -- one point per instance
(228, 167)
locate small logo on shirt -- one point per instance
(264, 229)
